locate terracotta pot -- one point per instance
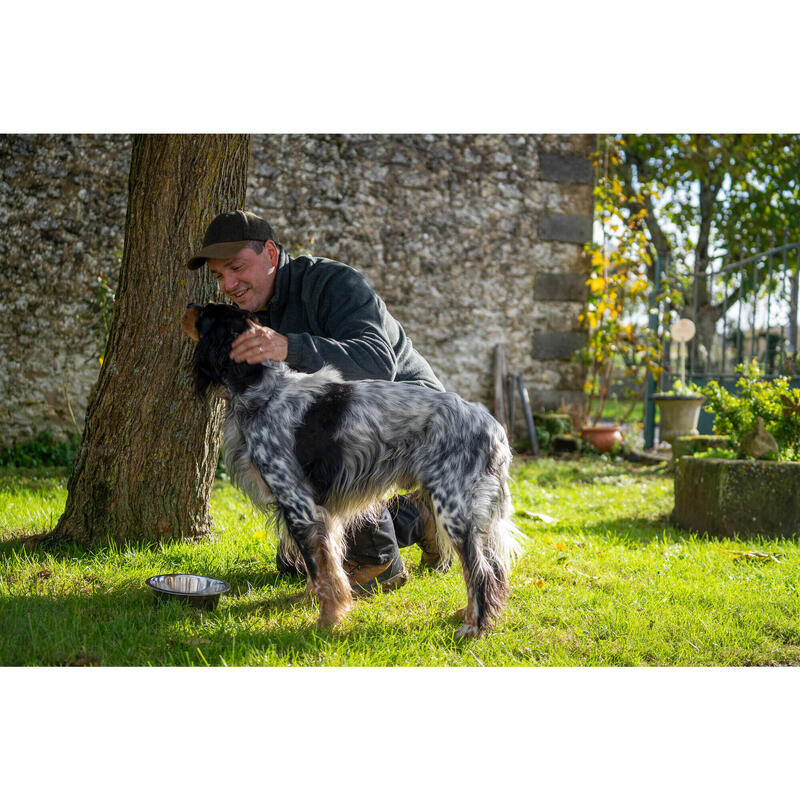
(679, 414)
(602, 437)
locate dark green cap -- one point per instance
(228, 233)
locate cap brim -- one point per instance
(218, 250)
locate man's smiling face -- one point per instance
(247, 278)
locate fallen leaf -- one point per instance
(538, 515)
(584, 575)
(537, 582)
(753, 555)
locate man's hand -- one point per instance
(259, 344)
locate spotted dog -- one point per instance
(323, 452)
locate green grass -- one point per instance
(608, 582)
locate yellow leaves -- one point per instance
(100, 359)
(598, 259)
(537, 582)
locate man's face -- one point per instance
(247, 278)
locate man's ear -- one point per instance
(271, 249)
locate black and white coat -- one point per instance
(324, 452)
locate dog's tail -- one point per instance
(492, 507)
(493, 543)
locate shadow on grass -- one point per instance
(88, 625)
(636, 531)
(131, 628)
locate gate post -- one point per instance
(649, 404)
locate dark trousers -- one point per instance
(400, 525)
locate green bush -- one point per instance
(777, 403)
(716, 452)
(43, 451)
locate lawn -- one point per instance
(604, 580)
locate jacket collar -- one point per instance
(281, 279)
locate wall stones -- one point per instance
(470, 239)
(62, 215)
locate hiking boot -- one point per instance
(366, 578)
(432, 558)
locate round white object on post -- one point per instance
(683, 330)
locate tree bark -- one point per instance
(146, 464)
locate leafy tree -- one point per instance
(706, 196)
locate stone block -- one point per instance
(565, 168)
(549, 345)
(726, 497)
(573, 228)
(558, 286)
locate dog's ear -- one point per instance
(205, 321)
(203, 378)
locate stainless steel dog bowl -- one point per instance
(194, 590)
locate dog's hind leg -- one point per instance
(319, 537)
(485, 574)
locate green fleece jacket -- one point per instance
(330, 315)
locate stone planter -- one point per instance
(679, 414)
(722, 497)
(602, 437)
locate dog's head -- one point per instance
(214, 327)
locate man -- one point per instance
(315, 311)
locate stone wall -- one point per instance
(470, 239)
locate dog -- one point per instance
(323, 452)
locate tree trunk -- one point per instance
(149, 451)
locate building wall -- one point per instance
(472, 240)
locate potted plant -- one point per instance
(679, 411)
(680, 408)
(618, 346)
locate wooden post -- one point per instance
(499, 387)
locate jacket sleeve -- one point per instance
(353, 322)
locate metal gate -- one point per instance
(753, 314)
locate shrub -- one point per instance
(43, 451)
(777, 403)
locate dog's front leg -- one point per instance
(319, 539)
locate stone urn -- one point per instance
(679, 414)
(602, 437)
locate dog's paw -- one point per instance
(468, 632)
